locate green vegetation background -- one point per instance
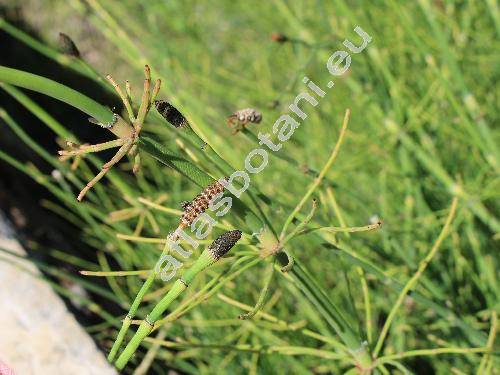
(424, 129)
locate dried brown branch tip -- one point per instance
(279, 37)
(200, 203)
(127, 144)
(224, 243)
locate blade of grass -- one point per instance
(114, 273)
(285, 350)
(76, 64)
(489, 345)
(318, 180)
(430, 352)
(413, 281)
(67, 95)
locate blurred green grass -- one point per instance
(424, 128)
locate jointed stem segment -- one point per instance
(135, 305)
(198, 205)
(127, 143)
(211, 255)
(128, 319)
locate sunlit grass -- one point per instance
(421, 134)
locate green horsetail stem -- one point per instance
(128, 319)
(208, 257)
(58, 91)
(205, 195)
(191, 211)
(135, 304)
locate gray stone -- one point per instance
(38, 335)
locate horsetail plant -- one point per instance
(271, 246)
(192, 210)
(255, 223)
(127, 145)
(127, 132)
(219, 247)
(418, 143)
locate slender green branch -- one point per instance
(263, 349)
(413, 281)
(262, 296)
(133, 309)
(271, 318)
(67, 95)
(302, 224)
(430, 352)
(114, 273)
(489, 344)
(322, 174)
(364, 228)
(333, 316)
(359, 270)
(367, 305)
(57, 91)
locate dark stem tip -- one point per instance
(67, 46)
(224, 243)
(170, 113)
